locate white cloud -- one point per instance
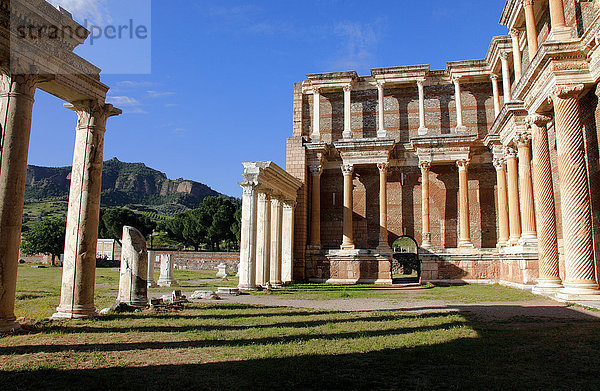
(126, 101)
(94, 10)
(135, 84)
(358, 41)
(159, 94)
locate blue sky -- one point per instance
(219, 91)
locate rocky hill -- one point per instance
(123, 184)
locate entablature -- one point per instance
(268, 176)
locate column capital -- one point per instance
(523, 139)
(528, 3)
(421, 81)
(494, 77)
(383, 167)
(564, 91)
(92, 114)
(537, 120)
(380, 84)
(264, 195)
(504, 55)
(248, 187)
(514, 33)
(276, 199)
(462, 164)
(510, 152)
(315, 169)
(316, 90)
(288, 204)
(425, 165)
(347, 87)
(499, 164)
(456, 79)
(347, 169)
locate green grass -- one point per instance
(239, 347)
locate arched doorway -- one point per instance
(406, 267)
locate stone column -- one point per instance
(459, 114)
(381, 132)
(463, 200)
(421, 87)
(151, 258)
(529, 233)
(347, 111)
(79, 266)
(543, 191)
(503, 227)
(16, 101)
(497, 106)
(506, 77)
(532, 40)
(514, 209)
(315, 221)
(383, 246)
(276, 240)
(247, 268)
(514, 34)
(426, 231)
(263, 239)
(580, 270)
(133, 281)
(287, 250)
(315, 136)
(348, 240)
(167, 275)
(560, 30)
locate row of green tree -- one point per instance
(214, 224)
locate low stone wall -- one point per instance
(193, 260)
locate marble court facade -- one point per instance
(49, 65)
(491, 165)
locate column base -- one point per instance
(244, 287)
(576, 292)
(423, 131)
(167, 283)
(547, 287)
(75, 312)
(563, 33)
(461, 128)
(465, 244)
(513, 241)
(382, 133)
(528, 240)
(347, 136)
(501, 244)
(135, 303)
(8, 326)
(348, 246)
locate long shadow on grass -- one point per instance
(68, 329)
(565, 358)
(117, 347)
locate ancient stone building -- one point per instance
(491, 165)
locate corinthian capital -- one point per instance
(92, 113)
(315, 169)
(522, 139)
(383, 167)
(528, 3)
(537, 120)
(347, 87)
(510, 152)
(514, 33)
(564, 91)
(347, 169)
(462, 164)
(499, 164)
(425, 165)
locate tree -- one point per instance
(236, 227)
(46, 237)
(113, 220)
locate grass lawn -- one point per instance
(240, 347)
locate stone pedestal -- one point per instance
(167, 277)
(79, 266)
(133, 284)
(221, 270)
(15, 119)
(151, 259)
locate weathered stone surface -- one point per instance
(133, 289)
(166, 271)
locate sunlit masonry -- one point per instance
(491, 165)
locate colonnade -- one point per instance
(267, 232)
(77, 293)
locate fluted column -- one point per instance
(247, 268)
(425, 217)
(528, 230)
(506, 77)
(348, 239)
(263, 239)
(381, 132)
(315, 136)
(580, 270)
(422, 126)
(496, 92)
(79, 266)
(315, 221)
(460, 127)
(559, 30)
(16, 99)
(503, 227)
(514, 34)
(287, 250)
(276, 240)
(347, 111)
(543, 191)
(514, 209)
(463, 200)
(532, 41)
(383, 230)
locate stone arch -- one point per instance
(405, 261)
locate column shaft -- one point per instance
(426, 231)
(514, 208)
(79, 266)
(422, 126)
(557, 13)
(457, 95)
(263, 239)
(383, 230)
(529, 233)
(549, 276)
(347, 111)
(506, 77)
(348, 239)
(514, 34)
(315, 136)
(247, 269)
(16, 97)
(496, 92)
(276, 240)
(463, 199)
(315, 221)
(580, 270)
(287, 251)
(503, 227)
(381, 132)
(532, 39)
